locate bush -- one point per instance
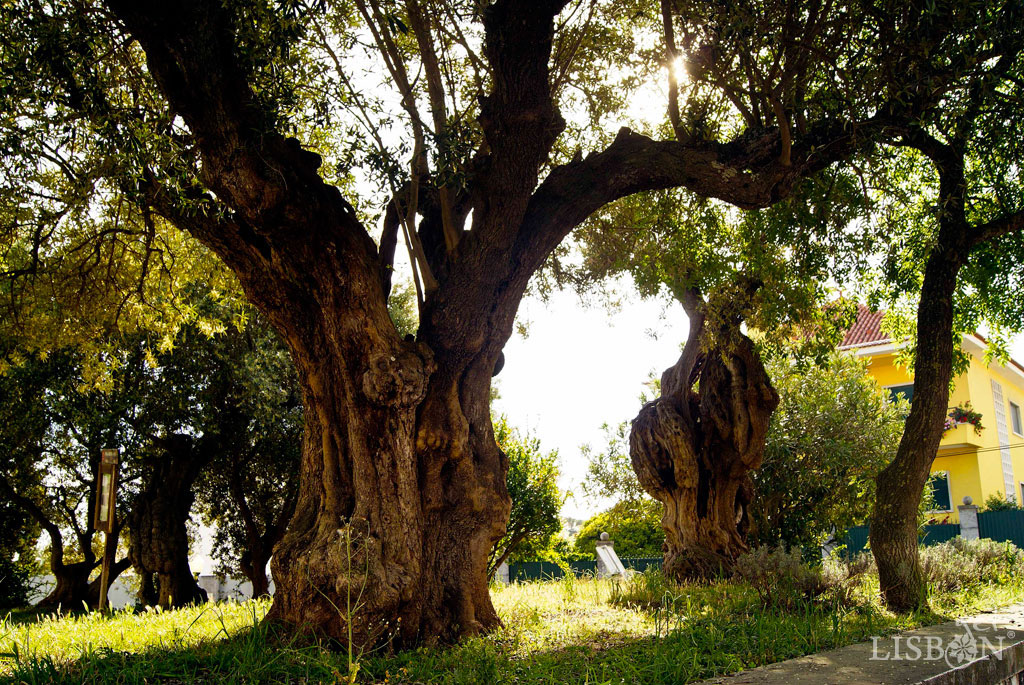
(997, 502)
(833, 431)
(960, 564)
(15, 584)
(634, 527)
(780, 578)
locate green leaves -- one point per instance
(533, 486)
(833, 431)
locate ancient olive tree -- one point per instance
(695, 446)
(198, 107)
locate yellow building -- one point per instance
(967, 464)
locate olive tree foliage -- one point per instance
(533, 487)
(633, 521)
(960, 262)
(53, 428)
(835, 429)
(249, 490)
(275, 133)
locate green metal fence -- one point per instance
(523, 571)
(1003, 525)
(857, 538)
(641, 564)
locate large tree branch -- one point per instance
(746, 173)
(997, 227)
(270, 181)
(51, 528)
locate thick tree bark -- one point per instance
(402, 490)
(71, 591)
(395, 516)
(254, 568)
(693, 450)
(159, 539)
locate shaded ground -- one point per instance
(564, 631)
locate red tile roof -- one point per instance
(866, 330)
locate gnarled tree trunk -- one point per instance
(159, 534)
(402, 494)
(402, 490)
(693, 449)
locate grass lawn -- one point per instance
(569, 631)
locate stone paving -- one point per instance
(987, 649)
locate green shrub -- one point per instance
(960, 564)
(946, 569)
(996, 502)
(780, 578)
(634, 527)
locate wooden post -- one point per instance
(106, 498)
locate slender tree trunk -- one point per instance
(257, 552)
(894, 524)
(693, 450)
(254, 567)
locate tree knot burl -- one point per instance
(399, 378)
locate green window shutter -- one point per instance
(898, 391)
(940, 490)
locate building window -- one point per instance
(905, 391)
(940, 491)
(1015, 419)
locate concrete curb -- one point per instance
(987, 649)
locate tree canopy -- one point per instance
(276, 134)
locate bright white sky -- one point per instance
(581, 366)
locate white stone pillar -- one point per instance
(969, 529)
